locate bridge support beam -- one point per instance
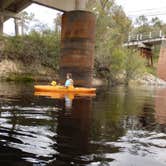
(161, 68)
(77, 46)
(147, 53)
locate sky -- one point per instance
(132, 8)
(150, 8)
(43, 14)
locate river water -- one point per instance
(117, 127)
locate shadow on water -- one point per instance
(118, 127)
(73, 131)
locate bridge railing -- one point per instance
(145, 36)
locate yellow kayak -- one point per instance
(62, 89)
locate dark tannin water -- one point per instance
(119, 127)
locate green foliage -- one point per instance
(134, 65)
(39, 48)
(25, 21)
(20, 78)
(156, 22)
(112, 61)
(111, 31)
(151, 70)
(142, 25)
(36, 48)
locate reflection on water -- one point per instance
(73, 132)
(160, 106)
(119, 127)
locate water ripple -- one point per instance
(36, 140)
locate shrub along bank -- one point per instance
(29, 57)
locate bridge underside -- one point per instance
(10, 8)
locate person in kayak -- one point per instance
(69, 82)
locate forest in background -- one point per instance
(36, 50)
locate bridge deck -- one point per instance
(8, 8)
(145, 39)
(150, 42)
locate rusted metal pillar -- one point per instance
(161, 68)
(77, 46)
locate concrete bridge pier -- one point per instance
(77, 46)
(161, 67)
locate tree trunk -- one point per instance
(1, 24)
(16, 27)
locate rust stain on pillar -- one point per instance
(161, 68)
(77, 46)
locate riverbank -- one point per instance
(148, 79)
(18, 71)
